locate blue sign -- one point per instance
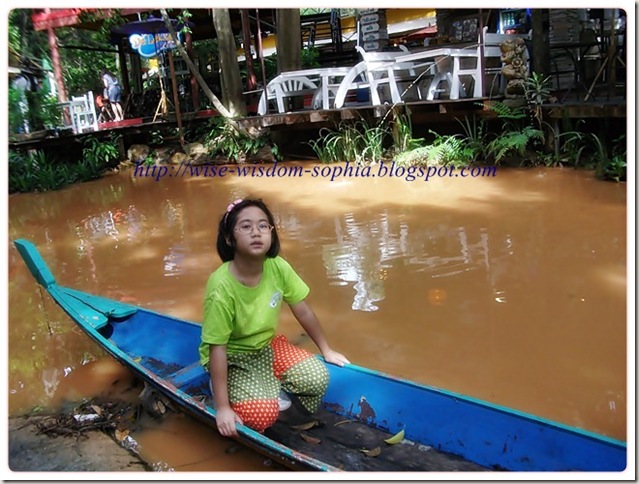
(150, 45)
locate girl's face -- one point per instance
(252, 233)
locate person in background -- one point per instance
(112, 92)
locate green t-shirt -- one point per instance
(244, 318)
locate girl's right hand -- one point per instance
(226, 419)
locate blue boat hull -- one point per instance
(163, 351)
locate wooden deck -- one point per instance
(422, 113)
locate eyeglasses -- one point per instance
(246, 228)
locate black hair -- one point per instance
(225, 232)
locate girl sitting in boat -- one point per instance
(248, 363)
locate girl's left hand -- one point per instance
(334, 357)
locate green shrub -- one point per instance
(224, 139)
(351, 141)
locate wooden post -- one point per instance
(289, 39)
(289, 45)
(260, 49)
(126, 86)
(57, 65)
(540, 42)
(260, 52)
(176, 98)
(246, 33)
(612, 56)
(136, 73)
(195, 89)
(481, 52)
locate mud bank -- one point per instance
(94, 451)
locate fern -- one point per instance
(506, 111)
(513, 142)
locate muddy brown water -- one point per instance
(511, 289)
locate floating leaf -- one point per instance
(305, 426)
(161, 407)
(395, 439)
(120, 435)
(373, 452)
(96, 409)
(309, 439)
(342, 422)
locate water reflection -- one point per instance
(503, 289)
(363, 253)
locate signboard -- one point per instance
(368, 19)
(379, 35)
(366, 28)
(372, 29)
(370, 46)
(150, 45)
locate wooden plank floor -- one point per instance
(341, 442)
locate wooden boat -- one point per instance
(443, 431)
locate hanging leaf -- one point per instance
(305, 426)
(309, 439)
(373, 452)
(395, 439)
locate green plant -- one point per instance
(610, 159)
(506, 111)
(36, 171)
(475, 136)
(537, 92)
(351, 141)
(514, 142)
(100, 153)
(16, 115)
(402, 132)
(226, 140)
(444, 150)
(573, 144)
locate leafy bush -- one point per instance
(224, 139)
(513, 143)
(36, 171)
(610, 159)
(41, 110)
(444, 150)
(351, 141)
(402, 132)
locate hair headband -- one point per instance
(230, 207)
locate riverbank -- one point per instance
(31, 451)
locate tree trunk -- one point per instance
(289, 39)
(540, 42)
(207, 91)
(231, 80)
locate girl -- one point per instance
(247, 362)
